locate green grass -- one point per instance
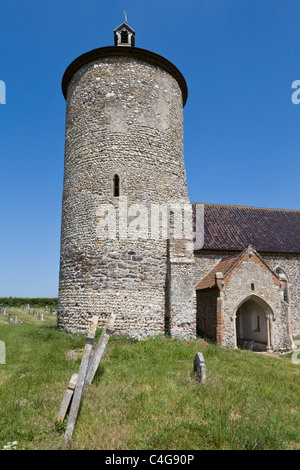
(142, 397)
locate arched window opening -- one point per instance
(258, 323)
(285, 278)
(116, 186)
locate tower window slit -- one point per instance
(116, 186)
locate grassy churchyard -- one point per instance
(145, 394)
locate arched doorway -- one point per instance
(254, 325)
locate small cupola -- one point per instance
(124, 35)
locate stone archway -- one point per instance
(254, 325)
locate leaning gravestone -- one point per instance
(199, 367)
(100, 348)
(67, 398)
(81, 380)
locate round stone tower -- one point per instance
(124, 178)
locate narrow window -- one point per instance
(258, 324)
(286, 290)
(124, 37)
(252, 286)
(116, 186)
(171, 224)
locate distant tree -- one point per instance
(34, 302)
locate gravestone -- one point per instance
(199, 367)
(100, 348)
(2, 353)
(81, 380)
(67, 399)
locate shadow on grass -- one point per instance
(99, 373)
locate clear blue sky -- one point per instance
(242, 131)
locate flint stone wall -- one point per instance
(123, 117)
(289, 262)
(240, 288)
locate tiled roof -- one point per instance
(236, 227)
(223, 267)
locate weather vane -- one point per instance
(125, 15)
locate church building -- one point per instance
(131, 241)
